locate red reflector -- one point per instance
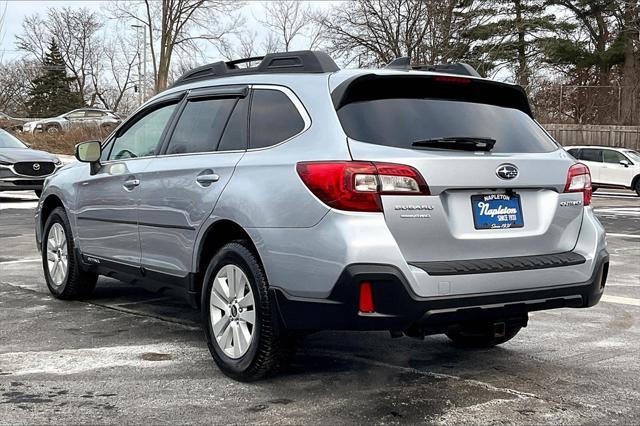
(366, 298)
(452, 80)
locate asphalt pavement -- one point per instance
(129, 356)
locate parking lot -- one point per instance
(132, 356)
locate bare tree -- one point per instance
(115, 88)
(173, 25)
(286, 19)
(77, 32)
(374, 32)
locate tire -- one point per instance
(481, 336)
(74, 284)
(38, 193)
(594, 188)
(53, 130)
(637, 187)
(267, 348)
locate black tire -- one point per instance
(481, 336)
(270, 348)
(594, 188)
(38, 193)
(53, 129)
(77, 284)
(637, 187)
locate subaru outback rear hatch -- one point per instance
(495, 178)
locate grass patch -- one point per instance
(61, 143)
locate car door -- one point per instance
(592, 158)
(75, 119)
(182, 185)
(107, 203)
(614, 173)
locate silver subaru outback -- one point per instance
(293, 196)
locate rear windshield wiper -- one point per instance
(464, 143)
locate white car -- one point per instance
(610, 167)
(77, 119)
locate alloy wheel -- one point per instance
(232, 311)
(57, 254)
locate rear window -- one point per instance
(398, 122)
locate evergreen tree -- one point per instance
(515, 37)
(50, 92)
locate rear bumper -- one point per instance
(398, 308)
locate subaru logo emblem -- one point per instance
(507, 171)
(36, 167)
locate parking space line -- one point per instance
(9, 262)
(621, 300)
(609, 234)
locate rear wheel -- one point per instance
(241, 329)
(483, 335)
(637, 187)
(62, 272)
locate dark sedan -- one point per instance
(22, 168)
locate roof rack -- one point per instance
(404, 63)
(303, 61)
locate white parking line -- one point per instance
(621, 300)
(10, 262)
(609, 234)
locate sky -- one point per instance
(16, 11)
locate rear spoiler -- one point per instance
(367, 87)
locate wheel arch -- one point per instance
(48, 205)
(213, 238)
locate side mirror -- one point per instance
(89, 152)
(625, 163)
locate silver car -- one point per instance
(22, 168)
(294, 197)
(84, 118)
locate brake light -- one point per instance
(357, 186)
(452, 80)
(579, 180)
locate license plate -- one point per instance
(497, 211)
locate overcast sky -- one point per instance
(17, 10)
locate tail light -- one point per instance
(365, 299)
(579, 180)
(357, 186)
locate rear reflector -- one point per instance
(357, 186)
(452, 80)
(365, 303)
(579, 180)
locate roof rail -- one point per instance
(303, 61)
(461, 68)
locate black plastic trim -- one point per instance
(500, 264)
(398, 308)
(133, 222)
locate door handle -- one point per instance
(130, 184)
(208, 179)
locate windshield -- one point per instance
(634, 155)
(7, 140)
(401, 122)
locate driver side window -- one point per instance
(143, 137)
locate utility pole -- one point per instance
(140, 89)
(143, 90)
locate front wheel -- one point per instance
(483, 335)
(241, 330)
(637, 188)
(62, 272)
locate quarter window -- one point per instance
(274, 118)
(142, 138)
(200, 125)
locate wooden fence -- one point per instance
(606, 135)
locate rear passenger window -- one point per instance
(274, 118)
(591, 155)
(200, 125)
(613, 156)
(235, 134)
